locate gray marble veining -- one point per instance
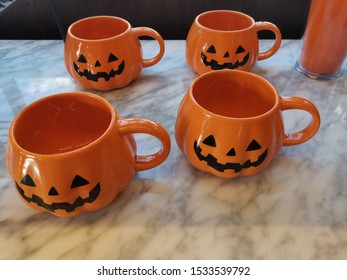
(295, 209)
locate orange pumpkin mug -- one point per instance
(230, 123)
(224, 39)
(71, 153)
(104, 52)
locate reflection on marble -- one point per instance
(295, 209)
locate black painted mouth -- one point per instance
(237, 167)
(68, 207)
(95, 77)
(228, 65)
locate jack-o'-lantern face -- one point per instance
(232, 154)
(100, 69)
(65, 198)
(229, 59)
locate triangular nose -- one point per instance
(53, 191)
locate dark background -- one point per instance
(49, 19)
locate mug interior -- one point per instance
(61, 123)
(234, 94)
(96, 28)
(225, 20)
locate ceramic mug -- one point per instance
(230, 123)
(104, 52)
(224, 39)
(71, 153)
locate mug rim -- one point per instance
(74, 24)
(113, 116)
(235, 73)
(231, 12)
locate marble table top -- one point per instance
(295, 209)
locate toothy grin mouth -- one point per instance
(228, 65)
(68, 207)
(237, 167)
(95, 77)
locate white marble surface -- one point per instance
(295, 209)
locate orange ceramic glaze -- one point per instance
(104, 52)
(230, 123)
(324, 44)
(225, 39)
(71, 153)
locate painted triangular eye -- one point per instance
(226, 54)
(112, 57)
(28, 181)
(53, 191)
(210, 141)
(240, 49)
(82, 59)
(97, 63)
(211, 49)
(78, 181)
(254, 145)
(231, 153)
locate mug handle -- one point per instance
(265, 25)
(145, 31)
(288, 103)
(137, 125)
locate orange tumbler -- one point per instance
(324, 44)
